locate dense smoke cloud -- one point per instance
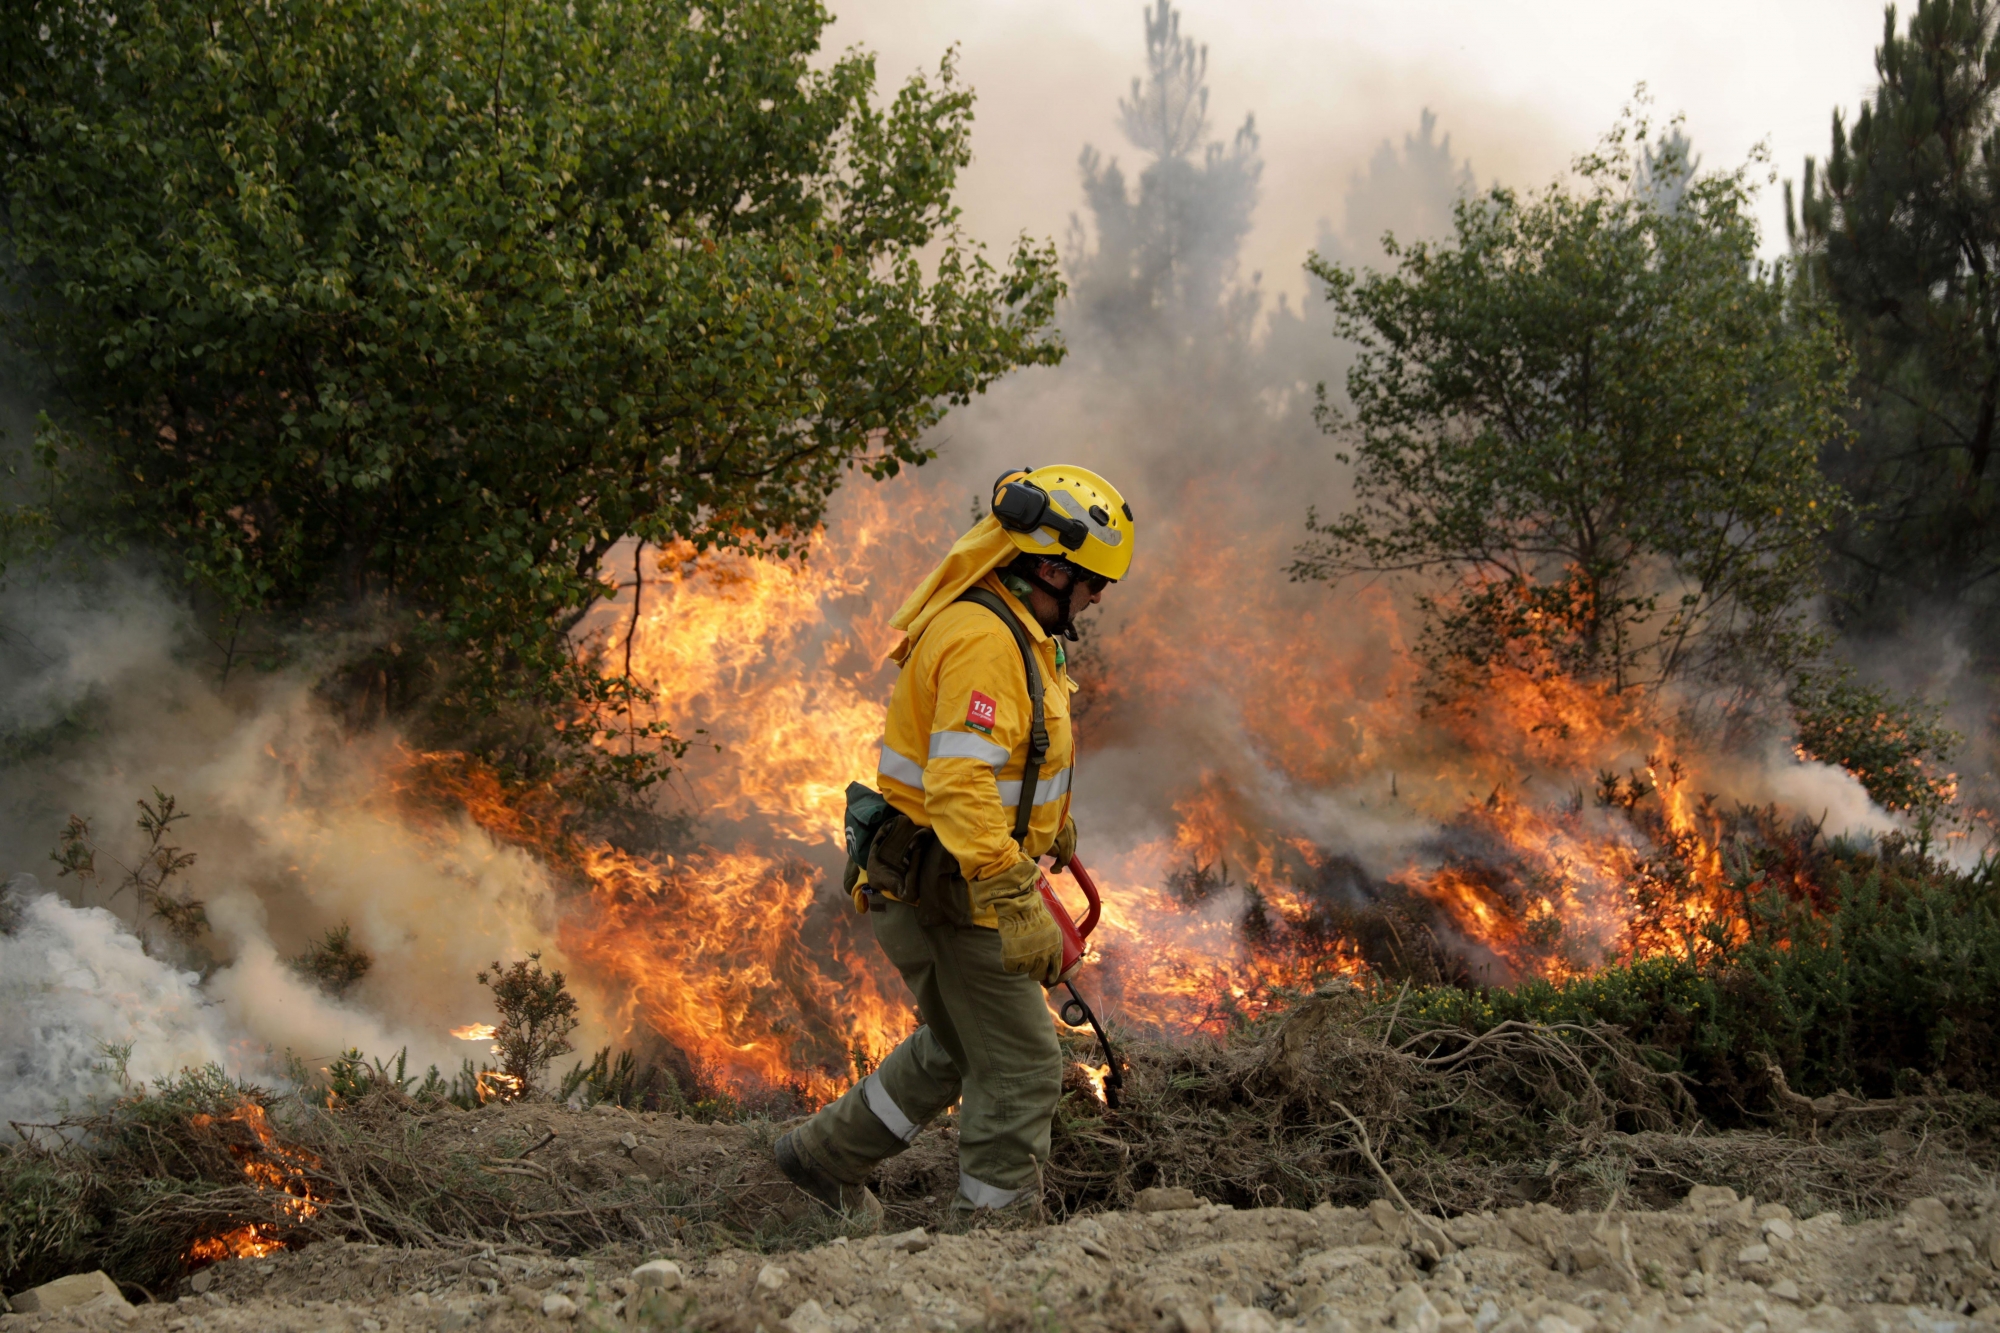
(296, 827)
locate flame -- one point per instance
(494, 1086)
(475, 1032)
(247, 1242)
(1095, 1075)
(1264, 724)
(270, 1166)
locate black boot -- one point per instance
(857, 1203)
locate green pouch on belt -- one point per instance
(866, 809)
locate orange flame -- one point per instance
(475, 1032)
(270, 1166)
(1267, 724)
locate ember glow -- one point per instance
(1273, 804)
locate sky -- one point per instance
(1521, 86)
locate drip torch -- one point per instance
(1075, 1011)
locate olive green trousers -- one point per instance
(986, 1034)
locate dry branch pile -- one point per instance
(1336, 1102)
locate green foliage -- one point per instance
(184, 917)
(424, 306)
(1901, 236)
(1895, 747)
(623, 1081)
(537, 1014)
(333, 962)
(1591, 423)
(1891, 987)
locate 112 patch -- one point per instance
(981, 713)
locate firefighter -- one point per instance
(950, 868)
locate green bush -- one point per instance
(1890, 987)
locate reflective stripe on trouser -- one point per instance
(986, 1033)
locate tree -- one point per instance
(1591, 424)
(537, 1014)
(1901, 233)
(1165, 257)
(424, 305)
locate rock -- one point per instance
(1242, 1319)
(913, 1241)
(555, 1305)
(649, 1161)
(657, 1275)
(95, 1290)
(1095, 1251)
(1928, 1212)
(1778, 1229)
(771, 1277)
(1754, 1254)
(205, 1279)
(1786, 1290)
(1165, 1199)
(628, 1140)
(1707, 1198)
(1327, 1319)
(1411, 1310)
(808, 1318)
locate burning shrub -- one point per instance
(333, 962)
(537, 1014)
(1886, 984)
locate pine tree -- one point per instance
(1901, 233)
(1164, 263)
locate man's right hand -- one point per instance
(1029, 940)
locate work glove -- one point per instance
(1029, 940)
(1064, 847)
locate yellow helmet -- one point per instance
(1067, 512)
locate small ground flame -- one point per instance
(271, 1167)
(1095, 1076)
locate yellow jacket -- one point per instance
(956, 737)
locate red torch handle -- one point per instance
(1084, 882)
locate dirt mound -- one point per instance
(1714, 1262)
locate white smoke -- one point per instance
(76, 990)
(107, 693)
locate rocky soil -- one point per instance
(1175, 1263)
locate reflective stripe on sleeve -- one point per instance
(905, 770)
(982, 1195)
(965, 745)
(885, 1109)
(1048, 789)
